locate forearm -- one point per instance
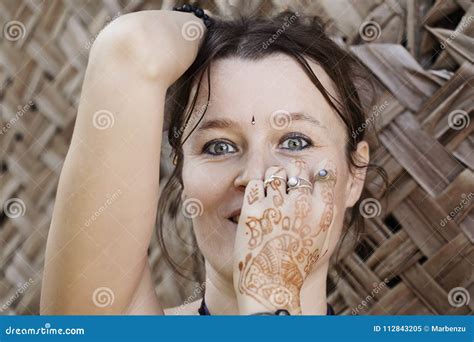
(108, 190)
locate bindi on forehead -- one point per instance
(225, 123)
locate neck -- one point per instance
(220, 295)
(221, 300)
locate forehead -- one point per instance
(242, 88)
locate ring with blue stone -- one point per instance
(323, 173)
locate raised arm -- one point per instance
(104, 214)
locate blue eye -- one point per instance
(218, 148)
(295, 142)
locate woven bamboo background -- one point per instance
(417, 254)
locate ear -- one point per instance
(356, 178)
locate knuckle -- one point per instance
(275, 170)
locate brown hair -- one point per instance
(253, 38)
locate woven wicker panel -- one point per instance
(416, 256)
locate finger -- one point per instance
(299, 170)
(246, 232)
(254, 193)
(325, 179)
(276, 188)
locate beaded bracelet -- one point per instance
(198, 12)
(279, 312)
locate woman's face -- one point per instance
(245, 131)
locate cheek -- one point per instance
(208, 184)
(340, 191)
(340, 195)
(205, 182)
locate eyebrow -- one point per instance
(306, 117)
(227, 123)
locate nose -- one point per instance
(253, 167)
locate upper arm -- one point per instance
(145, 300)
(108, 192)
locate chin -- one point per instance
(223, 269)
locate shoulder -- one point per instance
(184, 309)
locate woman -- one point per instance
(270, 157)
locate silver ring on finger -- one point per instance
(296, 181)
(300, 186)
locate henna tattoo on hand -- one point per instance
(327, 195)
(278, 197)
(252, 197)
(259, 227)
(283, 251)
(312, 259)
(272, 277)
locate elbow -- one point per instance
(133, 41)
